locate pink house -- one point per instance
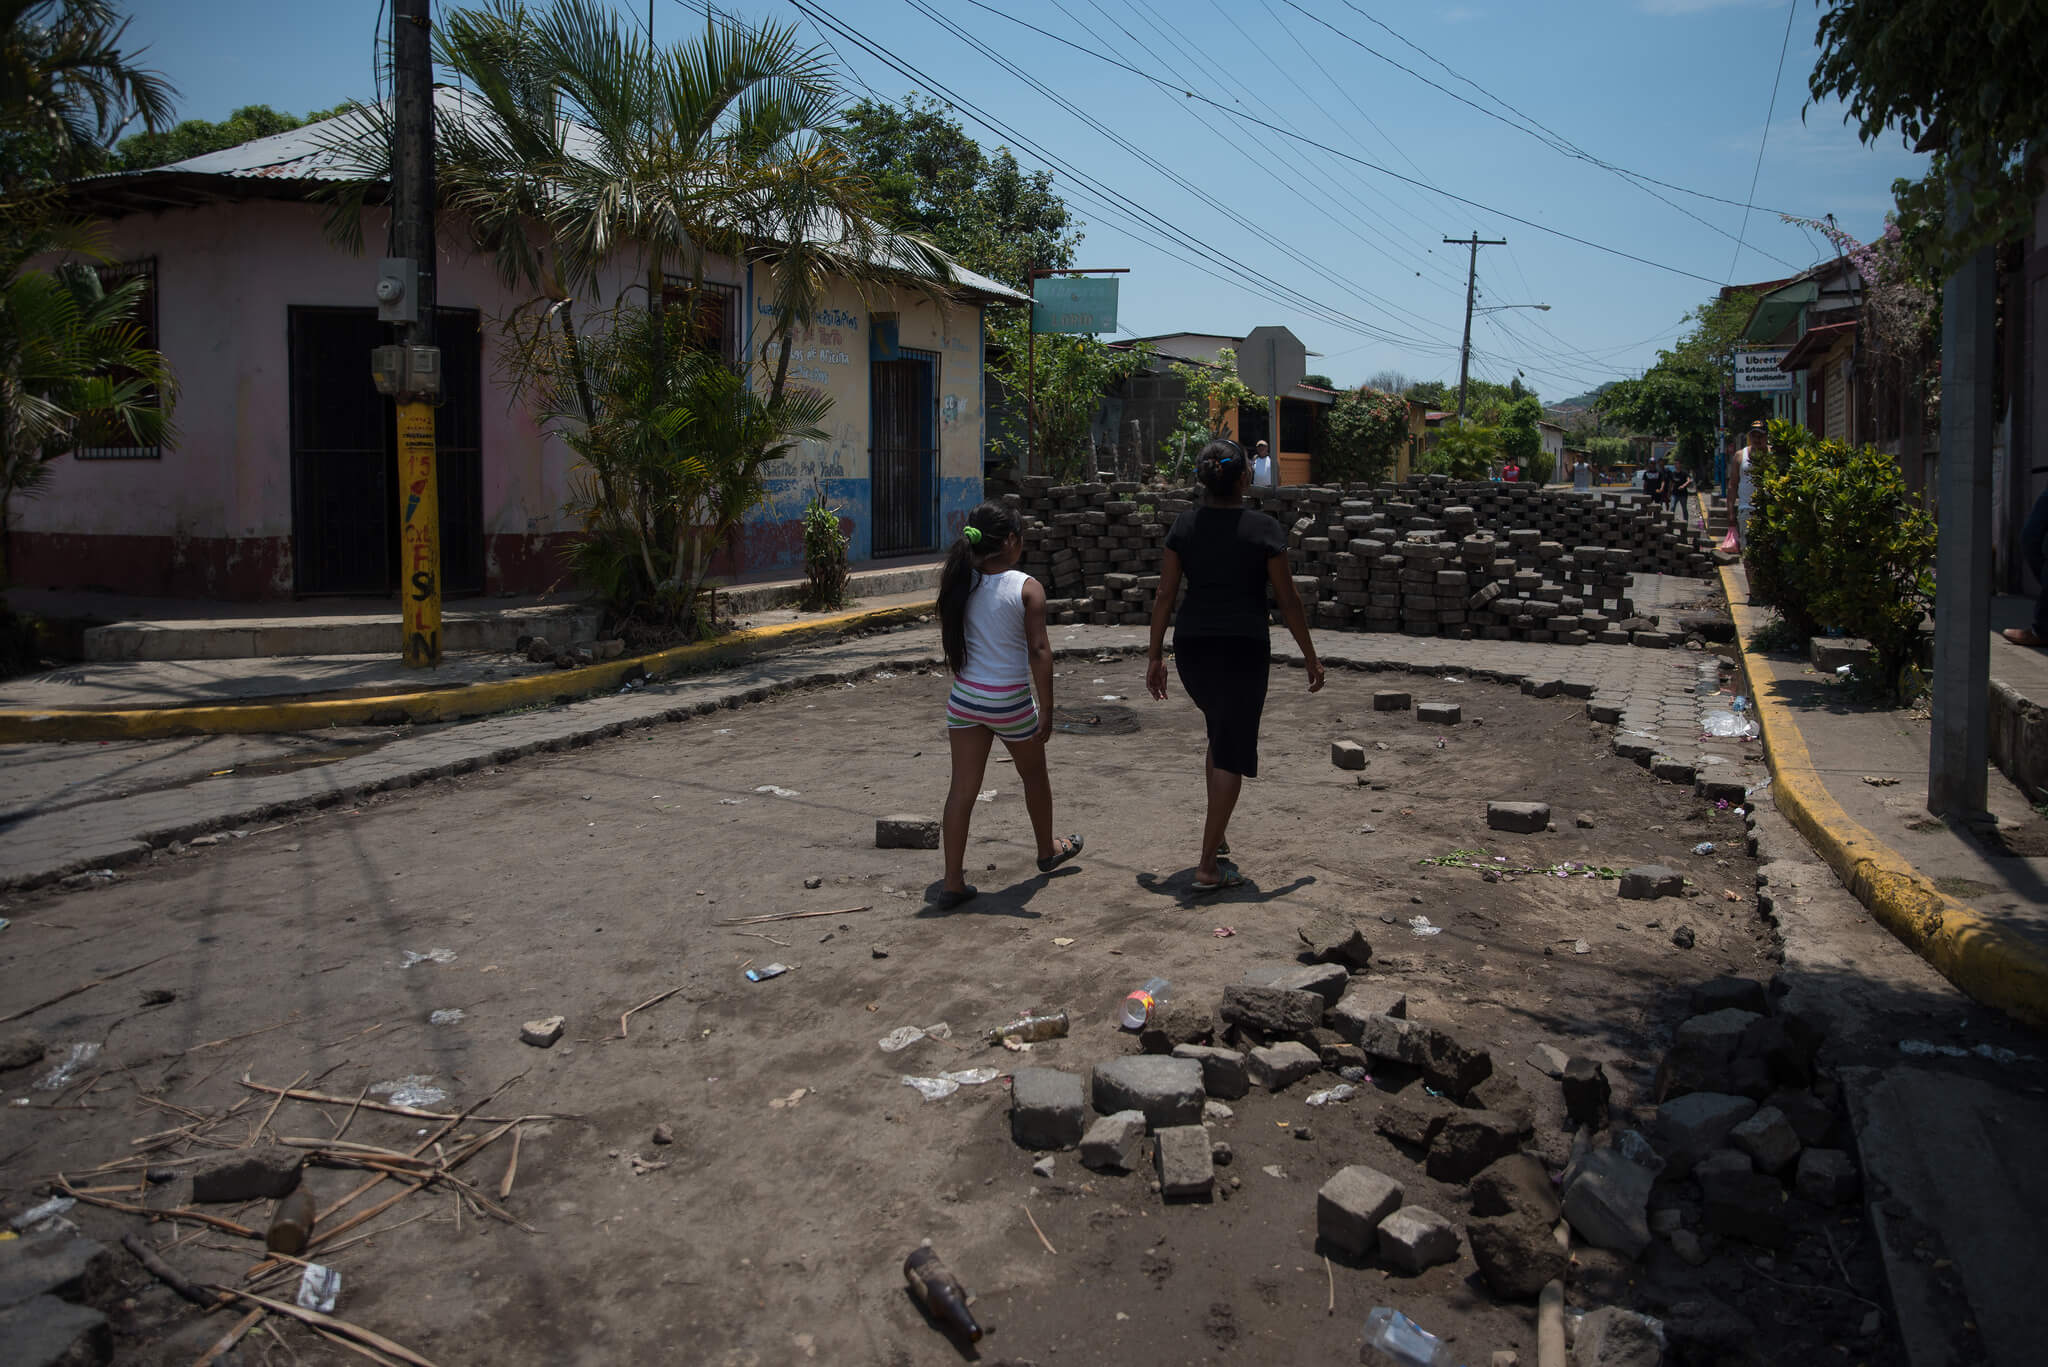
(281, 482)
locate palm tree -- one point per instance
(73, 367)
(67, 89)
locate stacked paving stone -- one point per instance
(1427, 557)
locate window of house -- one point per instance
(717, 329)
(145, 318)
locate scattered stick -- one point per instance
(371, 1353)
(350, 1118)
(225, 1344)
(216, 1043)
(264, 1123)
(790, 916)
(413, 1111)
(176, 1213)
(167, 1274)
(511, 1168)
(357, 1035)
(328, 1322)
(757, 935)
(82, 987)
(651, 1001)
(1039, 1232)
(1330, 1276)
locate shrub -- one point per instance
(1461, 451)
(824, 555)
(1365, 432)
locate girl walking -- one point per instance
(992, 626)
(1228, 554)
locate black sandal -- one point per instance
(949, 899)
(1059, 857)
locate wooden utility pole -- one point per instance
(1475, 242)
(412, 239)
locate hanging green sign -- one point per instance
(1073, 303)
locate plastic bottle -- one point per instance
(291, 1223)
(1143, 1004)
(939, 1291)
(1401, 1342)
(1031, 1029)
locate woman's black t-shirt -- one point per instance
(1223, 554)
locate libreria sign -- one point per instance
(1073, 304)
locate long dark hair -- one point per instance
(988, 527)
(1220, 466)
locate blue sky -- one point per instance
(1672, 89)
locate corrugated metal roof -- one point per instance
(344, 148)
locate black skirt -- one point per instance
(1226, 676)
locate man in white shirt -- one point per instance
(1263, 474)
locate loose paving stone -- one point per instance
(903, 832)
(1722, 1163)
(1673, 770)
(1327, 981)
(268, 1171)
(1586, 1092)
(1516, 1185)
(1347, 754)
(1826, 1177)
(1606, 713)
(1186, 1168)
(1548, 1060)
(1524, 818)
(1543, 688)
(1167, 1090)
(1412, 1123)
(1648, 883)
(1046, 1108)
(1470, 1141)
(1650, 640)
(1412, 1240)
(1351, 1205)
(55, 1263)
(1224, 1073)
(1215, 1112)
(1500, 1092)
(1274, 1012)
(1176, 1023)
(1768, 1138)
(1448, 1063)
(1276, 1066)
(542, 1033)
(1747, 1205)
(1718, 1034)
(1607, 1198)
(1516, 1254)
(1613, 1337)
(1333, 937)
(46, 1332)
(1720, 789)
(1389, 701)
(1363, 998)
(1114, 1142)
(1689, 1128)
(1810, 1117)
(22, 1049)
(1784, 1046)
(1439, 713)
(1726, 992)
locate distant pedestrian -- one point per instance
(1229, 555)
(1582, 475)
(992, 629)
(1744, 478)
(1510, 473)
(1263, 473)
(2034, 551)
(1680, 481)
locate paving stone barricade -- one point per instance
(1429, 557)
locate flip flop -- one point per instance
(1231, 879)
(949, 899)
(1223, 849)
(1059, 857)
(2032, 642)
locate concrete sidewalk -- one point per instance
(1854, 778)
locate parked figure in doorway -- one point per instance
(1228, 554)
(2034, 551)
(992, 627)
(1263, 472)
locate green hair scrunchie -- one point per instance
(971, 534)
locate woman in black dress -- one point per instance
(1228, 554)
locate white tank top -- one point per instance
(996, 653)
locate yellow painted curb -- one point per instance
(1989, 963)
(432, 704)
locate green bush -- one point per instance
(1365, 431)
(1461, 451)
(824, 555)
(1842, 543)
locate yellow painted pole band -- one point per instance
(1984, 959)
(419, 535)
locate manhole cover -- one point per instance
(1101, 720)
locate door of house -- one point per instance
(345, 456)
(903, 453)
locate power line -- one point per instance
(1791, 12)
(1346, 156)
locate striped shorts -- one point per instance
(1006, 709)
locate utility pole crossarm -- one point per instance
(1475, 242)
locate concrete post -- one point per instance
(1962, 568)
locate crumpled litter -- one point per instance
(60, 1076)
(732, 802)
(985, 795)
(407, 957)
(48, 1210)
(449, 1016)
(945, 1084)
(903, 1036)
(1343, 1091)
(1704, 847)
(774, 791)
(414, 1089)
(319, 1288)
(1420, 925)
(1223, 932)
(766, 971)
(1727, 725)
